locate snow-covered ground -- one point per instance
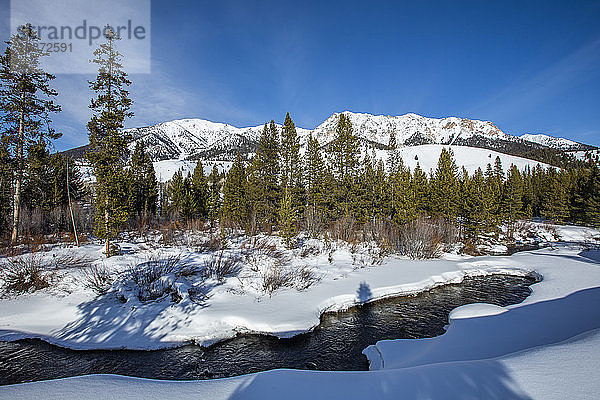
(545, 347)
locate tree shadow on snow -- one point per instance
(107, 322)
(364, 293)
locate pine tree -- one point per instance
(586, 201)
(287, 217)
(344, 150)
(291, 169)
(343, 157)
(512, 196)
(235, 208)
(178, 195)
(214, 196)
(493, 183)
(6, 178)
(394, 158)
(475, 208)
(405, 206)
(108, 143)
(263, 177)
(37, 182)
(315, 171)
(144, 186)
(26, 100)
(63, 171)
(199, 192)
(555, 204)
(420, 187)
(444, 187)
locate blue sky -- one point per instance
(527, 66)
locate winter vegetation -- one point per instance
(284, 233)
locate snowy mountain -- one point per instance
(193, 139)
(555, 143)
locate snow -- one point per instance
(165, 169)
(470, 157)
(546, 347)
(550, 141)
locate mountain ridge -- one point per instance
(194, 138)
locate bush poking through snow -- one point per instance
(420, 239)
(278, 276)
(344, 229)
(25, 274)
(71, 260)
(98, 278)
(155, 278)
(219, 266)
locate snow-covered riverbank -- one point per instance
(545, 347)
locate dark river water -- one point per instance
(336, 344)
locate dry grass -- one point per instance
(98, 278)
(26, 273)
(220, 266)
(278, 276)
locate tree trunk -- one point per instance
(106, 228)
(19, 178)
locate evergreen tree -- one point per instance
(199, 192)
(263, 177)
(475, 209)
(315, 175)
(555, 205)
(420, 187)
(287, 217)
(144, 186)
(235, 208)
(586, 199)
(26, 101)
(394, 158)
(178, 193)
(291, 169)
(344, 150)
(214, 194)
(405, 206)
(493, 183)
(108, 143)
(37, 182)
(512, 195)
(6, 178)
(444, 187)
(343, 156)
(63, 171)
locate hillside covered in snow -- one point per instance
(197, 139)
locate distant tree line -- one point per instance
(280, 189)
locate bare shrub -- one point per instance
(26, 273)
(213, 243)
(310, 249)
(170, 234)
(313, 222)
(71, 260)
(219, 266)
(278, 276)
(152, 278)
(306, 277)
(343, 229)
(420, 239)
(381, 231)
(98, 278)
